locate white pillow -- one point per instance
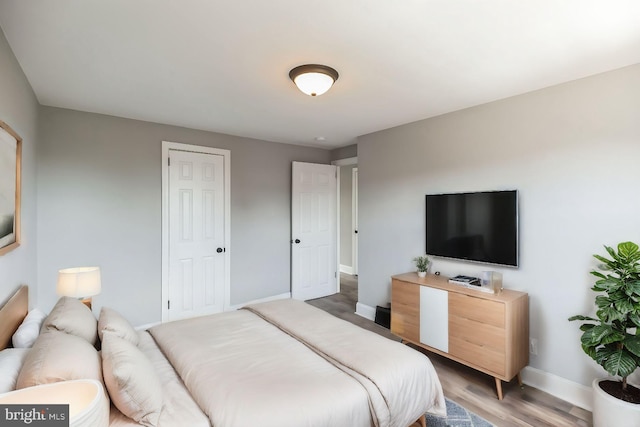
(70, 315)
(11, 360)
(134, 387)
(29, 330)
(111, 321)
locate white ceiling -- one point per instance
(223, 65)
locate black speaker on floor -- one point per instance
(383, 316)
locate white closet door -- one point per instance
(196, 234)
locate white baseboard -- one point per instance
(286, 295)
(365, 311)
(346, 269)
(562, 388)
(146, 326)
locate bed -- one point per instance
(281, 363)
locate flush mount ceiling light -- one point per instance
(313, 79)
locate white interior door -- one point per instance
(354, 220)
(197, 249)
(313, 231)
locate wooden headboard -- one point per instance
(12, 314)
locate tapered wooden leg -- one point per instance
(422, 421)
(499, 388)
(519, 379)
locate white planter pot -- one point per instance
(611, 412)
(422, 274)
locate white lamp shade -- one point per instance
(314, 84)
(79, 282)
(88, 404)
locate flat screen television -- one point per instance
(479, 226)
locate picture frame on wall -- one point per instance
(10, 188)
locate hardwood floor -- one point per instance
(521, 407)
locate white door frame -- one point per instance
(166, 146)
(354, 220)
(342, 162)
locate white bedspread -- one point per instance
(402, 382)
(244, 371)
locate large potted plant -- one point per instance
(612, 338)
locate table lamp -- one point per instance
(79, 282)
(88, 404)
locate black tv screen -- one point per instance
(480, 226)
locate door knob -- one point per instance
(297, 240)
(219, 250)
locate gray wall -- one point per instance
(346, 229)
(19, 109)
(571, 150)
(99, 187)
(344, 152)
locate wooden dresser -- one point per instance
(488, 332)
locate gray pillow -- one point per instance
(111, 321)
(133, 385)
(57, 356)
(70, 315)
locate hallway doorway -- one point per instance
(347, 233)
(349, 289)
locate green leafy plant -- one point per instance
(612, 339)
(422, 263)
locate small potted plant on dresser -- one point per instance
(422, 264)
(612, 339)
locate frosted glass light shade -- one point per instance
(79, 282)
(313, 84)
(313, 79)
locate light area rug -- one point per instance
(457, 416)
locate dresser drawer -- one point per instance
(477, 333)
(406, 325)
(479, 355)
(403, 293)
(405, 310)
(477, 309)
